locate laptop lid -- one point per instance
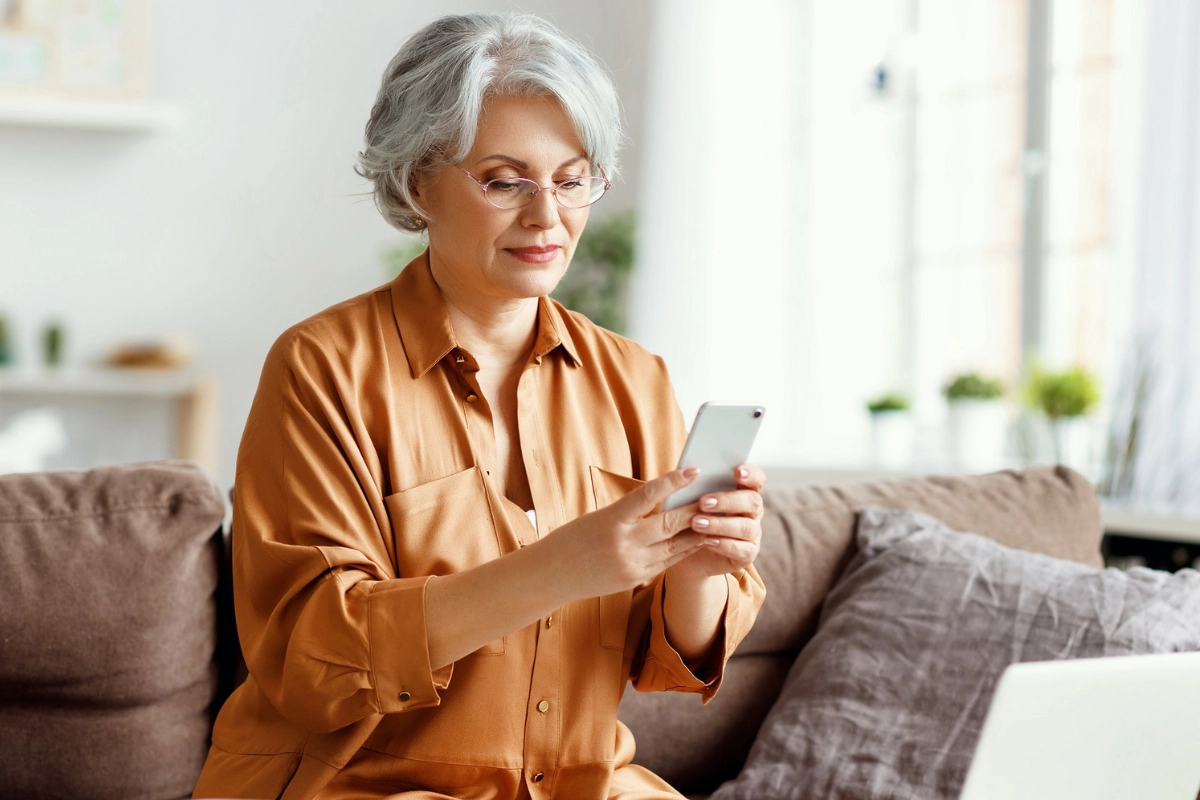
(1120, 728)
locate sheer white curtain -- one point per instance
(716, 287)
(1160, 405)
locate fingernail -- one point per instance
(699, 523)
(691, 472)
(708, 503)
(712, 541)
(743, 472)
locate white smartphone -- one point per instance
(719, 442)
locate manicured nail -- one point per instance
(699, 523)
(712, 541)
(743, 473)
(708, 503)
(691, 472)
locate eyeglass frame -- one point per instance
(553, 188)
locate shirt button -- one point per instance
(550, 621)
(543, 706)
(405, 696)
(538, 778)
(471, 398)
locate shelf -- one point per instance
(1141, 524)
(68, 113)
(100, 382)
(84, 395)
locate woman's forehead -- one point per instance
(526, 132)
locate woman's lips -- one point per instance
(535, 255)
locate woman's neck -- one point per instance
(499, 334)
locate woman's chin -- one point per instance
(536, 282)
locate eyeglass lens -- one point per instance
(517, 192)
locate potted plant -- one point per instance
(892, 430)
(596, 284)
(1066, 398)
(978, 421)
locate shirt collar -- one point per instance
(424, 321)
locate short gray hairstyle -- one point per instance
(427, 112)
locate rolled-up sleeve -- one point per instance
(330, 633)
(661, 668)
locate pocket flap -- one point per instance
(609, 487)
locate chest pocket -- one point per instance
(613, 609)
(443, 527)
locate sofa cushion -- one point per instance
(889, 697)
(808, 533)
(107, 620)
(808, 538)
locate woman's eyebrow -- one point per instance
(519, 164)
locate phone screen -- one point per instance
(720, 440)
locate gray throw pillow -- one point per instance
(889, 697)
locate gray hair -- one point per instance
(427, 112)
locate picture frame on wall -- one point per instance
(24, 54)
(89, 49)
(9, 13)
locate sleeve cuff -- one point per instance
(662, 657)
(399, 644)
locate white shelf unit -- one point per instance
(49, 111)
(186, 399)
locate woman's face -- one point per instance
(492, 254)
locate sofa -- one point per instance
(118, 641)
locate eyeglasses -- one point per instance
(509, 193)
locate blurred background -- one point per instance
(930, 235)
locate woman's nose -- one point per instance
(542, 212)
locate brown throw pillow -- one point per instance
(107, 630)
(889, 697)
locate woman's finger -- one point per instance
(743, 528)
(749, 476)
(738, 551)
(684, 553)
(744, 502)
(644, 499)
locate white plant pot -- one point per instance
(1073, 444)
(978, 434)
(892, 437)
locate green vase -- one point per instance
(5, 343)
(52, 345)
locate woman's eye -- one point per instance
(571, 183)
(501, 185)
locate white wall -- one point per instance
(768, 269)
(247, 217)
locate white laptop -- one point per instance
(1122, 728)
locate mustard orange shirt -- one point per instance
(364, 470)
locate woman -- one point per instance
(447, 564)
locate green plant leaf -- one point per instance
(892, 401)
(1072, 393)
(973, 386)
(597, 281)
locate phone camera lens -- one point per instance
(757, 413)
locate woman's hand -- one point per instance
(732, 524)
(627, 543)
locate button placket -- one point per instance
(544, 722)
(476, 413)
